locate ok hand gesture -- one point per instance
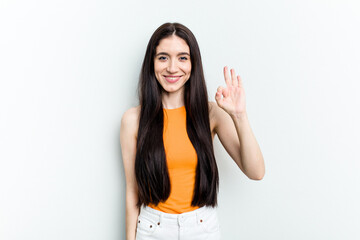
(233, 101)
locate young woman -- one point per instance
(167, 141)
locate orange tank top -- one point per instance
(181, 159)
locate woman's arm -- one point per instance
(233, 127)
(236, 136)
(128, 148)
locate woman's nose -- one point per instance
(172, 66)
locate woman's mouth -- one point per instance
(172, 79)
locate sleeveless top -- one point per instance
(181, 159)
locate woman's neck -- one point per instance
(172, 100)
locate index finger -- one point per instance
(226, 76)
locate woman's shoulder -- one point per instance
(211, 105)
(130, 119)
(213, 109)
(213, 113)
(131, 114)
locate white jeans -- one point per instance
(199, 224)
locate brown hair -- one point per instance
(150, 162)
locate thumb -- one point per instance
(218, 98)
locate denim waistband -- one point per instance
(181, 219)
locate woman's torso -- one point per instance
(181, 160)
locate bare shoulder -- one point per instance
(213, 110)
(130, 120)
(131, 115)
(217, 115)
(213, 116)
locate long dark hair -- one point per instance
(150, 162)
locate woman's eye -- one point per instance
(161, 58)
(183, 58)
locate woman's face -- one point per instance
(172, 63)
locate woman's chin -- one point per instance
(172, 89)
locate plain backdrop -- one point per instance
(69, 70)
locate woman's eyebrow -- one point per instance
(165, 53)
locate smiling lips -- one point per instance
(172, 79)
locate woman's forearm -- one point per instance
(132, 212)
(251, 157)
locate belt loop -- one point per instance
(160, 223)
(198, 217)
